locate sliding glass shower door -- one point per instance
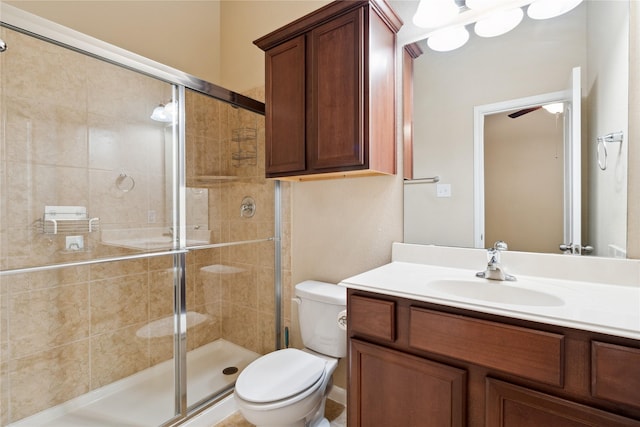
(136, 240)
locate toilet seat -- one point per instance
(279, 375)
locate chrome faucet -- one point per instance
(495, 271)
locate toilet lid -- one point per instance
(279, 375)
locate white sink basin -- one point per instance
(497, 292)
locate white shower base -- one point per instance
(146, 398)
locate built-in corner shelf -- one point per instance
(207, 180)
(246, 146)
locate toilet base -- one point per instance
(323, 423)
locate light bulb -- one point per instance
(555, 108)
(499, 22)
(448, 39)
(482, 4)
(159, 114)
(170, 108)
(545, 9)
(435, 13)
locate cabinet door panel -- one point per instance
(285, 107)
(336, 97)
(615, 373)
(390, 388)
(513, 406)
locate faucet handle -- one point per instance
(500, 246)
(493, 254)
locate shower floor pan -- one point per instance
(146, 398)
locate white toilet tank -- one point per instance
(322, 314)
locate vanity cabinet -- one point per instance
(330, 93)
(413, 363)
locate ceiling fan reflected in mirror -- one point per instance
(555, 108)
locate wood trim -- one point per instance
(380, 138)
(319, 16)
(413, 49)
(407, 113)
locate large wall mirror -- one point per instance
(526, 150)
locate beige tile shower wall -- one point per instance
(247, 282)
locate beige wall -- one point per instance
(242, 63)
(183, 34)
(212, 40)
(524, 212)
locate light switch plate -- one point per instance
(443, 190)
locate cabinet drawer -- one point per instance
(615, 373)
(520, 351)
(372, 317)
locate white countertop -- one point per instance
(599, 307)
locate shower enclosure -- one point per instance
(139, 240)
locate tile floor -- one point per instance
(335, 413)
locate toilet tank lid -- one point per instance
(322, 291)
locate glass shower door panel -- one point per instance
(228, 198)
(230, 315)
(86, 202)
(89, 345)
(86, 173)
(230, 205)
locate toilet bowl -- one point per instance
(285, 388)
(288, 388)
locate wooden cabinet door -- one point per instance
(285, 108)
(335, 103)
(389, 388)
(513, 406)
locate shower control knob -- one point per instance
(3, 46)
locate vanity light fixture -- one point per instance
(448, 38)
(491, 18)
(545, 9)
(499, 22)
(482, 4)
(435, 13)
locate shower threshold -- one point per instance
(146, 398)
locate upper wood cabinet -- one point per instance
(330, 93)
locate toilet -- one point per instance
(289, 387)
